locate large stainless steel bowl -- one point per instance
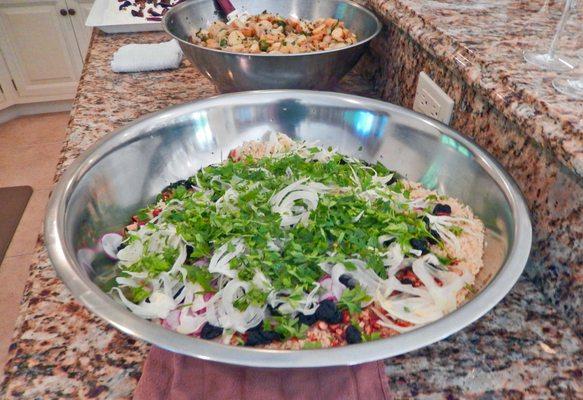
(239, 71)
(125, 170)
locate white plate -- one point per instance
(105, 15)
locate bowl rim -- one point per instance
(101, 304)
(185, 4)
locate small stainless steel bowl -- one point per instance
(241, 71)
(125, 170)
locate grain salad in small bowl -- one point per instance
(280, 44)
(287, 245)
(274, 34)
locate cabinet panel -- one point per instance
(81, 12)
(40, 48)
(7, 92)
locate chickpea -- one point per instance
(338, 34)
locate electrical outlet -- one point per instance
(431, 100)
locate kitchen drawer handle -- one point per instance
(72, 11)
(63, 12)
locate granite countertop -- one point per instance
(521, 348)
(484, 41)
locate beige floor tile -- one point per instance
(24, 238)
(33, 130)
(30, 165)
(13, 273)
(29, 151)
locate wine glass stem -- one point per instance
(560, 28)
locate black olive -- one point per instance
(420, 244)
(273, 311)
(257, 336)
(387, 242)
(189, 250)
(253, 338)
(348, 281)
(328, 312)
(441, 209)
(307, 319)
(406, 281)
(271, 335)
(392, 180)
(434, 238)
(426, 220)
(121, 246)
(352, 335)
(342, 161)
(183, 182)
(210, 331)
(124, 5)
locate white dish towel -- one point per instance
(147, 57)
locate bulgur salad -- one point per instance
(288, 245)
(274, 34)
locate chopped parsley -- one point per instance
(352, 299)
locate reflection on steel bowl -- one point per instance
(239, 69)
(127, 169)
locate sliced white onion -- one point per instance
(172, 320)
(221, 311)
(177, 266)
(442, 223)
(326, 285)
(445, 297)
(159, 305)
(283, 202)
(261, 281)
(366, 277)
(382, 180)
(227, 201)
(135, 279)
(219, 262)
(393, 258)
(190, 323)
(132, 253)
(337, 288)
(110, 243)
(307, 305)
(384, 321)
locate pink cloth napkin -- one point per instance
(173, 376)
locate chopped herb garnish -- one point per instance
(263, 45)
(456, 230)
(312, 345)
(352, 299)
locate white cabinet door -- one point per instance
(40, 48)
(7, 92)
(79, 11)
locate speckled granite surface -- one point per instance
(414, 41)
(521, 349)
(483, 41)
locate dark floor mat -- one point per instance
(13, 201)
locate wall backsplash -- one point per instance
(552, 192)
